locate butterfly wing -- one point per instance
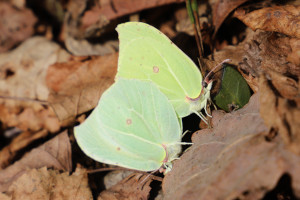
(129, 125)
(147, 54)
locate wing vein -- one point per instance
(128, 152)
(129, 134)
(155, 113)
(171, 71)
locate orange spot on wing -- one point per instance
(128, 121)
(155, 69)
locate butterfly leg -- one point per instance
(202, 117)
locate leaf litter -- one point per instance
(76, 86)
(232, 158)
(277, 79)
(56, 154)
(282, 19)
(23, 86)
(16, 25)
(134, 186)
(46, 183)
(243, 156)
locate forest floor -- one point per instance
(58, 57)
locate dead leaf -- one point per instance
(113, 9)
(294, 56)
(23, 85)
(23, 70)
(286, 87)
(269, 53)
(75, 32)
(5, 197)
(221, 9)
(55, 153)
(132, 187)
(266, 61)
(113, 177)
(8, 153)
(85, 48)
(29, 119)
(50, 184)
(15, 25)
(282, 19)
(232, 158)
(273, 52)
(281, 114)
(83, 21)
(76, 86)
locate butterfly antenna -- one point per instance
(206, 79)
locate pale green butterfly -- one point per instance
(133, 126)
(147, 54)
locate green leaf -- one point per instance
(234, 93)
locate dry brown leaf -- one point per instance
(294, 56)
(33, 118)
(281, 115)
(282, 19)
(55, 153)
(50, 184)
(270, 54)
(85, 48)
(116, 8)
(232, 158)
(221, 9)
(24, 69)
(286, 87)
(133, 187)
(15, 25)
(113, 177)
(268, 64)
(76, 86)
(274, 49)
(82, 22)
(263, 52)
(75, 32)
(23, 73)
(8, 153)
(5, 197)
